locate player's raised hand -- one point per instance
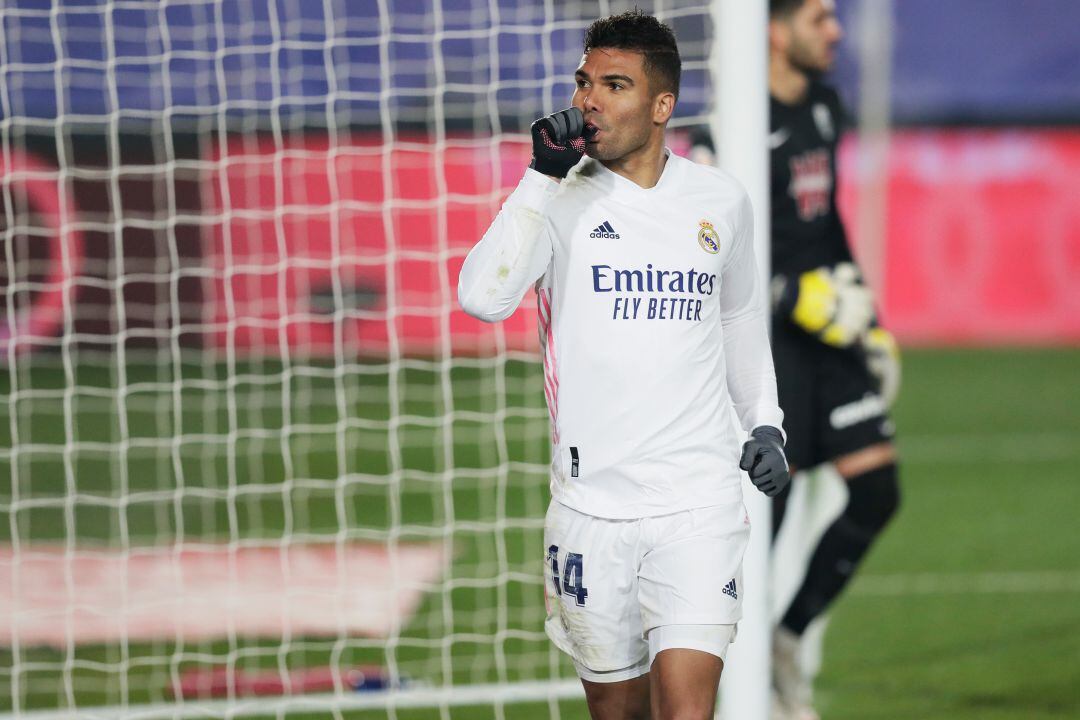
(557, 142)
(764, 460)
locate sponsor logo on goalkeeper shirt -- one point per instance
(779, 137)
(811, 183)
(606, 231)
(868, 407)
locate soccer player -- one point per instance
(836, 369)
(656, 361)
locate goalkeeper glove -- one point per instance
(830, 303)
(883, 361)
(763, 459)
(557, 142)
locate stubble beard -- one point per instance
(805, 62)
(611, 153)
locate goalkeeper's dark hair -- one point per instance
(635, 31)
(784, 8)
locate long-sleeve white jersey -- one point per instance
(652, 328)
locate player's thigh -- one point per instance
(866, 459)
(692, 572)
(591, 590)
(851, 415)
(625, 700)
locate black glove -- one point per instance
(557, 142)
(763, 458)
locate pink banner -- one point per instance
(377, 232)
(983, 235)
(982, 244)
(35, 311)
(204, 591)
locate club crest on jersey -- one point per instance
(707, 238)
(823, 120)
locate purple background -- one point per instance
(956, 61)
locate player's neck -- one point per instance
(644, 166)
(787, 84)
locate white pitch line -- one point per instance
(984, 583)
(972, 448)
(416, 697)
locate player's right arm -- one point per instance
(514, 252)
(516, 249)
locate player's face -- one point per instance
(613, 94)
(813, 32)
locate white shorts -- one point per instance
(608, 583)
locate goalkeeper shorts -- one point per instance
(830, 400)
(610, 583)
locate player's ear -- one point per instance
(663, 106)
(779, 32)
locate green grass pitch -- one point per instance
(968, 608)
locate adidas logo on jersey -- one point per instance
(729, 589)
(604, 230)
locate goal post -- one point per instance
(740, 125)
(253, 458)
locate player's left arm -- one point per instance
(751, 378)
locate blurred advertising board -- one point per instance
(354, 244)
(315, 247)
(983, 235)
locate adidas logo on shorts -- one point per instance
(729, 589)
(604, 230)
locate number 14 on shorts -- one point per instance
(573, 578)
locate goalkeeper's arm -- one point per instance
(833, 305)
(830, 303)
(882, 356)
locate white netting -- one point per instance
(246, 436)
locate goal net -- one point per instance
(253, 459)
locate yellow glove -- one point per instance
(833, 304)
(883, 361)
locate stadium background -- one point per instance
(228, 317)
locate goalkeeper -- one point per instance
(837, 369)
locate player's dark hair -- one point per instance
(784, 8)
(635, 31)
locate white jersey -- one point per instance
(652, 328)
